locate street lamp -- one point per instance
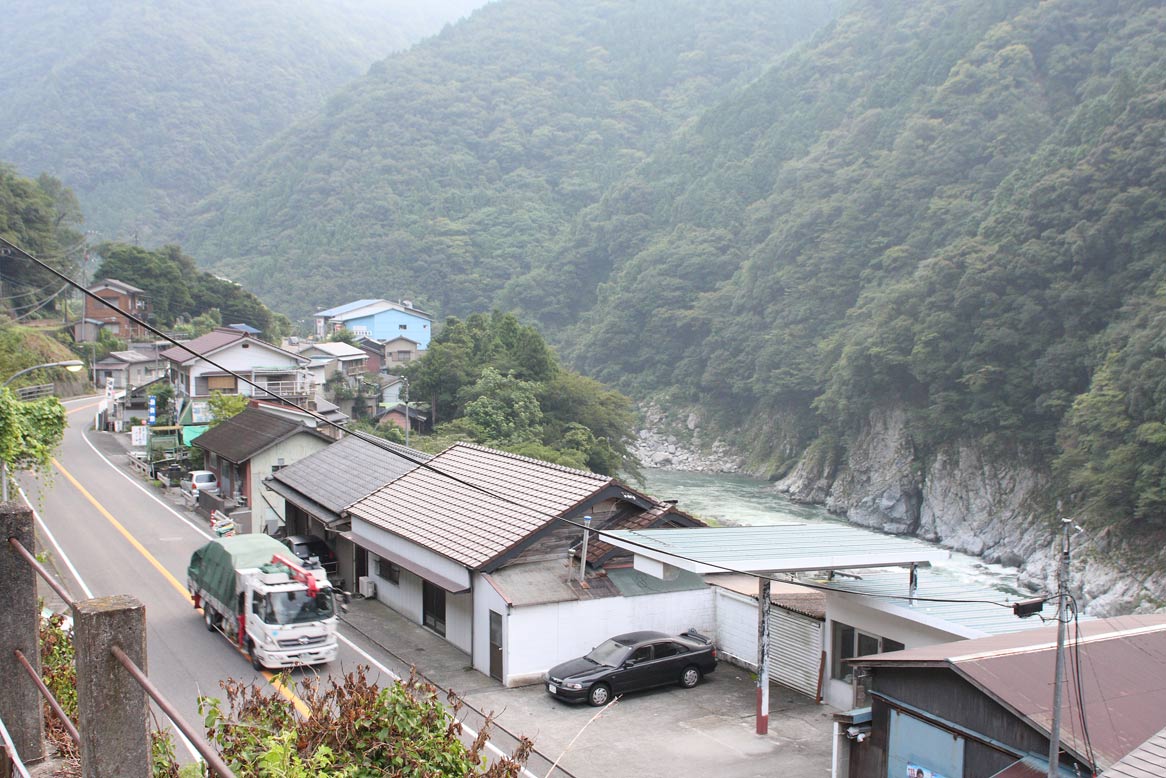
(72, 365)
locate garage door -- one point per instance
(795, 650)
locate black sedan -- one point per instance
(637, 660)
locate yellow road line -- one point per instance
(284, 690)
(83, 407)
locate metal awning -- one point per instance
(450, 585)
(788, 548)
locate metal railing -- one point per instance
(109, 638)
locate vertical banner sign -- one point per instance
(153, 406)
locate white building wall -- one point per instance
(404, 596)
(268, 504)
(541, 636)
(486, 599)
(242, 360)
(873, 622)
(459, 620)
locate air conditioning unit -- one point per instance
(367, 587)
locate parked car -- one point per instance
(637, 660)
(308, 546)
(199, 481)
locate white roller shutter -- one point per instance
(795, 650)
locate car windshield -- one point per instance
(297, 607)
(609, 653)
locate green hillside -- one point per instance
(142, 107)
(455, 166)
(956, 207)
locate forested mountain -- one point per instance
(142, 107)
(455, 166)
(953, 207)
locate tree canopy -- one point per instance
(495, 381)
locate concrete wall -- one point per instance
(291, 450)
(541, 636)
(486, 599)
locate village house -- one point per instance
(130, 369)
(480, 546)
(99, 317)
(275, 373)
(380, 320)
(248, 447)
(316, 490)
(336, 358)
(982, 708)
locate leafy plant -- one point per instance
(353, 728)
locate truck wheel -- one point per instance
(254, 657)
(209, 617)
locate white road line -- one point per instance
(208, 536)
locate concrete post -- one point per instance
(112, 708)
(20, 701)
(763, 609)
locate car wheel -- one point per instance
(690, 677)
(209, 617)
(600, 694)
(254, 657)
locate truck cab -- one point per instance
(287, 624)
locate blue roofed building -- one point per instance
(380, 320)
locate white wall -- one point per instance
(541, 636)
(736, 626)
(873, 622)
(291, 450)
(486, 599)
(459, 620)
(404, 597)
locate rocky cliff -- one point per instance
(998, 510)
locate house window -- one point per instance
(403, 356)
(433, 607)
(402, 327)
(388, 571)
(850, 643)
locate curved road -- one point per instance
(107, 532)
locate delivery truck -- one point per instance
(277, 608)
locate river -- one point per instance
(729, 499)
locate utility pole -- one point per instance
(1059, 673)
(406, 382)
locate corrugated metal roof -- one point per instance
(444, 508)
(792, 597)
(1146, 761)
(247, 433)
(773, 548)
(633, 583)
(337, 349)
(1123, 679)
(973, 610)
(347, 470)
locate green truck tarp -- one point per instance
(213, 566)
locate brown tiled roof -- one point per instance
(248, 433)
(1123, 665)
(471, 503)
(659, 515)
(203, 344)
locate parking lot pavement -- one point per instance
(709, 730)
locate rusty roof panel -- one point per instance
(1146, 761)
(1123, 679)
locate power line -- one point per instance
(385, 445)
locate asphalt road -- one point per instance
(107, 532)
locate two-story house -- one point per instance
(377, 319)
(98, 316)
(336, 358)
(272, 372)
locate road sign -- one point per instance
(153, 409)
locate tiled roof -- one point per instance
(1123, 665)
(660, 515)
(346, 471)
(119, 285)
(246, 434)
(473, 503)
(215, 339)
